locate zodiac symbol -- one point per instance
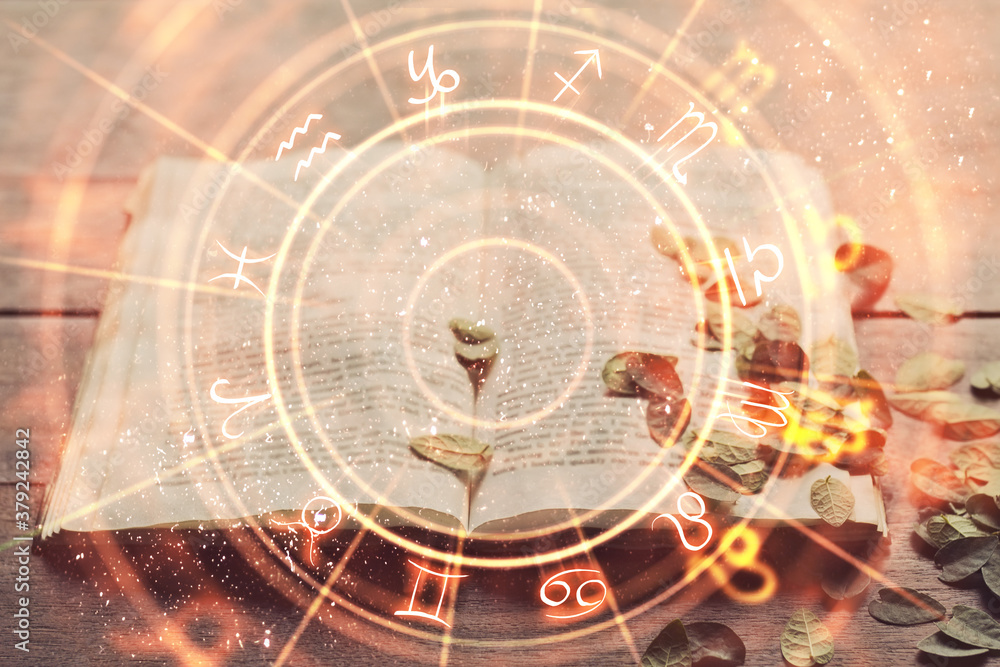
(435, 80)
(758, 277)
(299, 130)
(692, 518)
(315, 151)
(591, 605)
(759, 423)
(249, 400)
(744, 558)
(594, 56)
(238, 276)
(700, 117)
(319, 517)
(422, 614)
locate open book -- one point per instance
(276, 340)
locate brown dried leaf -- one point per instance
(743, 328)
(726, 447)
(666, 420)
(832, 500)
(964, 421)
(869, 268)
(928, 371)
(806, 641)
(655, 374)
(929, 308)
(942, 529)
(470, 332)
(918, 403)
(780, 323)
(984, 511)
(905, 606)
(874, 404)
(833, 360)
(938, 481)
(455, 452)
(752, 475)
(962, 558)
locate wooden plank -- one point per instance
(58, 242)
(42, 363)
(511, 609)
(946, 147)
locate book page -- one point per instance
(199, 408)
(594, 451)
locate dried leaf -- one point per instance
(714, 293)
(974, 459)
(476, 352)
(477, 360)
(973, 627)
(964, 421)
(470, 332)
(929, 308)
(670, 648)
(655, 374)
(715, 482)
(715, 645)
(844, 584)
(928, 371)
(752, 475)
(941, 644)
(618, 371)
(991, 573)
(869, 268)
(832, 500)
(806, 641)
(980, 382)
(617, 377)
(938, 481)
(833, 360)
(778, 361)
(667, 419)
(780, 323)
(743, 328)
(455, 452)
(666, 242)
(918, 403)
(984, 511)
(874, 404)
(726, 447)
(905, 606)
(964, 557)
(942, 529)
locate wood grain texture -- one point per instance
(930, 200)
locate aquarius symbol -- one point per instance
(319, 518)
(299, 130)
(435, 80)
(700, 117)
(238, 276)
(249, 400)
(316, 151)
(692, 518)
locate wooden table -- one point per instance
(923, 72)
